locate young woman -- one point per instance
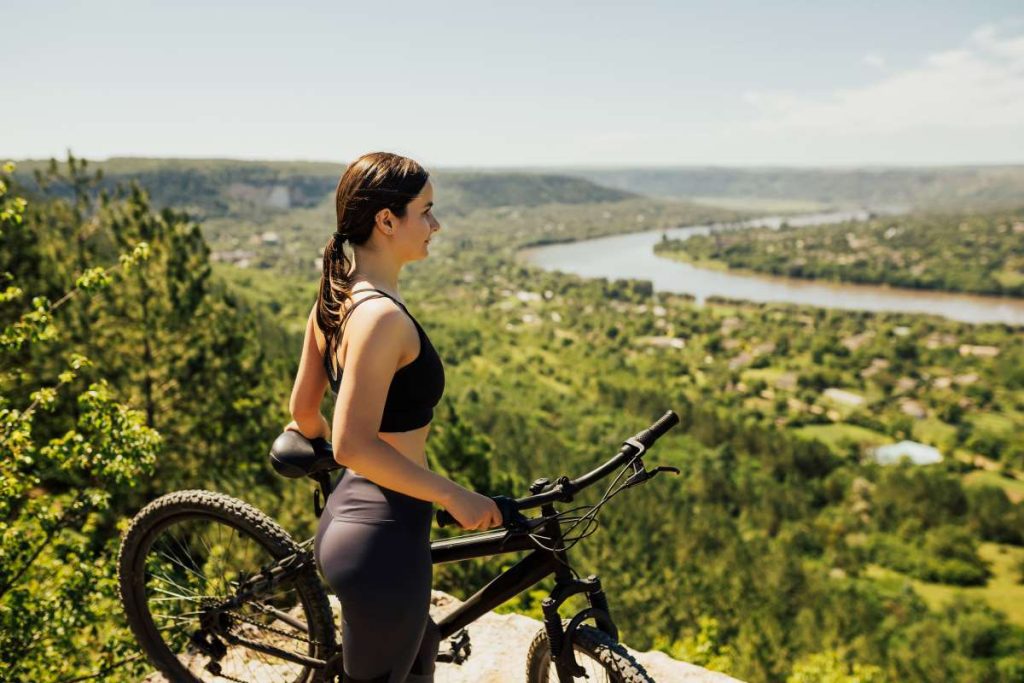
(373, 540)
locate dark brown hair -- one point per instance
(374, 181)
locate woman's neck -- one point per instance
(375, 269)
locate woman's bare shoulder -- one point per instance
(379, 316)
(377, 320)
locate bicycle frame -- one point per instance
(542, 536)
(528, 571)
(544, 559)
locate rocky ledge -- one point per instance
(499, 643)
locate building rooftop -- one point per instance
(917, 453)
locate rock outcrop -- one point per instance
(499, 643)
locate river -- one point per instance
(632, 256)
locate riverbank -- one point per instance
(632, 256)
(979, 254)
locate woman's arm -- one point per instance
(309, 388)
(377, 331)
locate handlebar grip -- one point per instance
(666, 422)
(510, 515)
(443, 517)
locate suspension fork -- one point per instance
(560, 640)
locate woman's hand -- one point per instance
(325, 428)
(474, 510)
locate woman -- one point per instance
(373, 540)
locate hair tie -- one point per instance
(336, 247)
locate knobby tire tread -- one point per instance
(620, 664)
(223, 507)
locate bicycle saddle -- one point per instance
(292, 455)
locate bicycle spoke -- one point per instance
(167, 592)
(178, 617)
(188, 569)
(209, 551)
(186, 552)
(196, 565)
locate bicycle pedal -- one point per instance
(459, 648)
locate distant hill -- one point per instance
(232, 187)
(217, 187)
(467, 191)
(226, 187)
(954, 187)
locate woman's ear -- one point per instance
(384, 220)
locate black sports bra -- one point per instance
(415, 388)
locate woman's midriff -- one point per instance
(412, 444)
(356, 498)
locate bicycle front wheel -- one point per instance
(193, 575)
(603, 659)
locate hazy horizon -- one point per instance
(542, 167)
(568, 84)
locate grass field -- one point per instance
(770, 375)
(1003, 592)
(836, 436)
(1014, 487)
(993, 423)
(935, 432)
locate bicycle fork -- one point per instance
(560, 640)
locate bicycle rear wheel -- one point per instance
(603, 659)
(189, 572)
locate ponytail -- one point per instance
(374, 181)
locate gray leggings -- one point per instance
(373, 547)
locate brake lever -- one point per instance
(642, 475)
(513, 519)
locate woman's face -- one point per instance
(413, 232)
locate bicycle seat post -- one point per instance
(323, 480)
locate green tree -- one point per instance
(57, 584)
(830, 667)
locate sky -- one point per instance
(500, 84)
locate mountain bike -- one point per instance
(215, 590)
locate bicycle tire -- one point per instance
(599, 649)
(179, 508)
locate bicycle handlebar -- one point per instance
(564, 488)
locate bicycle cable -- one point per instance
(590, 517)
